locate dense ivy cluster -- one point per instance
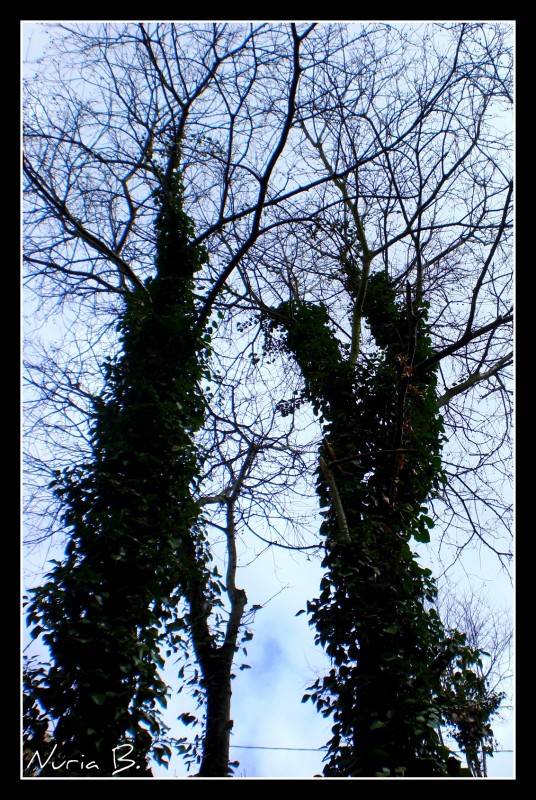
(137, 547)
(134, 545)
(380, 464)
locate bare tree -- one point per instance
(315, 160)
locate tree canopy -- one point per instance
(279, 256)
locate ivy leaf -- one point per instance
(421, 536)
(35, 632)
(377, 724)
(187, 719)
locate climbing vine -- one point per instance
(136, 545)
(379, 465)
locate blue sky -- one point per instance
(267, 708)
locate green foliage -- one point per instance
(470, 706)
(135, 545)
(36, 734)
(381, 456)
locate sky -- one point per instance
(275, 735)
(266, 707)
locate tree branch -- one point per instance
(61, 211)
(337, 503)
(473, 379)
(478, 285)
(465, 339)
(263, 189)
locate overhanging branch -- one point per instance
(477, 377)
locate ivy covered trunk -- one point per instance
(134, 547)
(380, 462)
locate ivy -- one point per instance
(135, 544)
(379, 465)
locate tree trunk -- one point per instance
(215, 762)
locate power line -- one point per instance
(305, 749)
(262, 747)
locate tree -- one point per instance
(488, 629)
(293, 228)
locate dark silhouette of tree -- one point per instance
(488, 629)
(292, 243)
